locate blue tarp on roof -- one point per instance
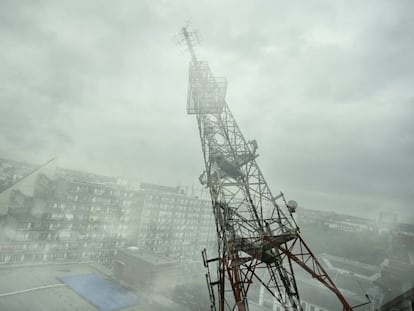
(103, 294)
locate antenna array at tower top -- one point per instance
(191, 39)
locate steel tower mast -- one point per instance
(258, 238)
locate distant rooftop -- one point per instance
(149, 186)
(351, 266)
(331, 215)
(408, 228)
(85, 176)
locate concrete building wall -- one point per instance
(175, 225)
(145, 270)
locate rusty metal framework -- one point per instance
(256, 231)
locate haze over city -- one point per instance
(144, 168)
(325, 88)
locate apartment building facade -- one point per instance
(174, 224)
(76, 216)
(66, 220)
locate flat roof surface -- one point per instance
(105, 294)
(24, 288)
(37, 287)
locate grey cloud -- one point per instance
(325, 88)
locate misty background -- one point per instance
(325, 88)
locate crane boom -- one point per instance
(258, 238)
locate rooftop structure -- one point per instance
(143, 269)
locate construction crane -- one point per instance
(258, 238)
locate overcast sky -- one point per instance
(326, 88)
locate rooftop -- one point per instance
(40, 288)
(147, 255)
(349, 265)
(154, 187)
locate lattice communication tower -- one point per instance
(258, 238)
